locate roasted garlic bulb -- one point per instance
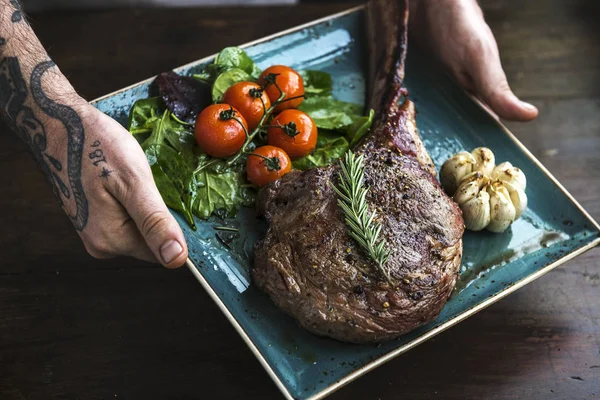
(491, 197)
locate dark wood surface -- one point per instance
(72, 327)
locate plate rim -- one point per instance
(426, 336)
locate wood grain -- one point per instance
(74, 327)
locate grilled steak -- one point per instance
(309, 265)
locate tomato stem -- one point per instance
(289, 129)
(271, 79)
(256, 93)
(243, 127)
(264, 105)
(227, 115)
(293, 98)
(272, 163)
(266, 115)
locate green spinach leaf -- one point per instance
(226, 79)
(228, 59)
(316, 83)
(165, 128)
(359, 128)
(209, 73)
(330, 147)
(174, 179)
(219, 192)
(144, 114)
(173, 173)
(234, 57)
(329, 113)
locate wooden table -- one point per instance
(74, 327)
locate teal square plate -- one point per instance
(553, 230)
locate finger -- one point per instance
(135, 246)
(143, 253)
(492, 86)
(466, 82)
(127, 241)
(160, 231)
(483, 105)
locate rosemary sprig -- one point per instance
(352, 200)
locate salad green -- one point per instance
(227, 79)
(194, 183)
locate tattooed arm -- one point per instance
(97, 170)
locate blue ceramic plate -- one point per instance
(553, 230)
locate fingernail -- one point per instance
(528, 106)
(170, 250)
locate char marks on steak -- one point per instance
(309, 265)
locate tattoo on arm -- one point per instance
(75, 140)
(98, 156)
(105, 173)
(17, 15)
(13, 95)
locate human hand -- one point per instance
(96, 168)
(126, 214)
(456, 32)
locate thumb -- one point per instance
(492, 87)
(157, 226)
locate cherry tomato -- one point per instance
(295, 132)
(246, 97)
(288, 80)
(267, 164)
(220, 130)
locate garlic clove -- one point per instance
(506, 172)
(517, 197)
(455, 169)
(476, 212)
(485, 160)
(502, 210)
(470, 187)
